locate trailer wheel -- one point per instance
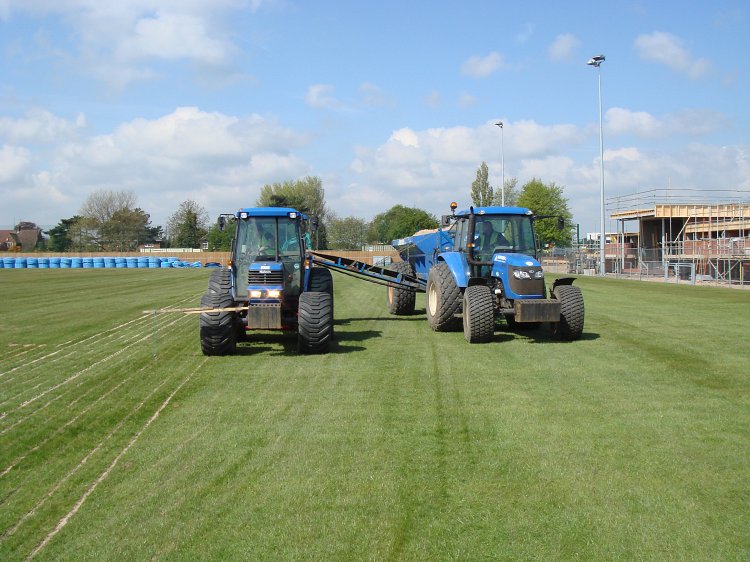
(443, 299)
(479, 314)
(218, 330)
(570, 326)
(401, 301)
(315, 322)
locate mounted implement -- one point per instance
(481, 265)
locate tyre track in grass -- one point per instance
(72, 345)
(125, 337)
(76, 375)
(144, 326)
(105, 474)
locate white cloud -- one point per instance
(116, 41)
(564, 48)
(14, 161)
(320, 96)
(374, 96)
(620, 121)
(481, 67)
(465, 99)
(39, 126)
(668, 49)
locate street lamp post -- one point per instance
(502, 163)
(596, 62)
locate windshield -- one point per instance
(503, 233)
(267, 239)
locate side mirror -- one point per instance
(445, 220)
(314, 223)
(222, 223)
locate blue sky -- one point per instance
(388, 102)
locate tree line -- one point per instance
(112, 221)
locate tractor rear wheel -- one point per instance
(570, 326)
(479, 314)
(218, 330)
(400, 300)
(443, 299)
(321, 280)
(315, 322)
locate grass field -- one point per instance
(119, 440)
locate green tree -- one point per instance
(221, 240)
(398, 222)
(60, 239)
(188, 225)
(125, 230)
(511, 194)
(348, 233)
(481, 190)
(306, 195)
(548, 200)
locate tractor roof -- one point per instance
(495, 211)
(269, 212)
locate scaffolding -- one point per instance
(694, 236)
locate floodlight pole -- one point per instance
(502, 163)
(597, 61)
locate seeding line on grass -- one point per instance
(67, 424)
(80, 464)
(123, 336)
(104, 475)
(73, 343)
(85, 370)
(25, 348)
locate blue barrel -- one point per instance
(43, 263)
(9, 263)
(132, 263)
(143, 263)
(20, 263)
(154, 263)
(76, 263)
(54, 263)
(65, 263)
(121, 263)
(166, 264)
(32, 263)
(87, 263)
(98, 263)
(196, 264)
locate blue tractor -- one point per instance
(269, 284)
(483, 264)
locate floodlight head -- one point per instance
(596, 60)
(499, 124)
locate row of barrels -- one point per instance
(95, 263)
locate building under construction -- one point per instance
(682, 235)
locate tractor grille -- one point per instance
(265, 278)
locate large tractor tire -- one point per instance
(400, 300)
(218, 330)
(443, 299)
(479, 314)
(570, 326)
(315, 322)
(321, 280)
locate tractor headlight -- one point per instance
(255, 294)
(520, 274)
(539, 274)
(274, 294)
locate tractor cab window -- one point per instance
(503, 233)
(268, 239)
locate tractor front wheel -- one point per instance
(218, 330)
(315, 322)
(570, 326)
(479, 314)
